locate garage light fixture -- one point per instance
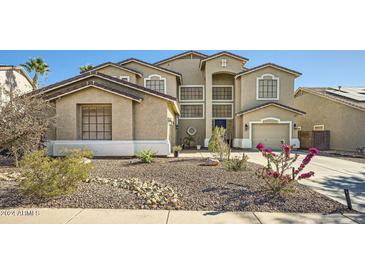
(246, 126)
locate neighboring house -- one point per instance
(120, 108)
(340, 110)
(13, 79)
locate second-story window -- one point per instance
(267, 87)
(191, 93)
(156, 83)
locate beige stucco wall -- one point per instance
(189, 68)
(198, 124)
(171, 80)
(150, 119)
(346, 124)
(270, 111)
(171, 128)
(248, 88)
(67, 119)
(113, 71)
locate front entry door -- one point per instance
(220, 123)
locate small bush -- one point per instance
(237, 163)
(146, 156)
(47, 177)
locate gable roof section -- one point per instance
(177, 56)
(216, 55)
(151, 66)
(244, 72)
(90, 74)
(106, 64)
(323, 92)
(96, 84)
(298, 111)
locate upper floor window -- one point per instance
(156, 83)
(267, 87)
(191, 93)
(222, 93)
(224, 63)
(222, 111)
(192, 111)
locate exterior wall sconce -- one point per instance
(246, 126)
(295, 126)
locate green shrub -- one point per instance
(237, 163)
(146, 156)
(49, 177)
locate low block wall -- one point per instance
(110, 148)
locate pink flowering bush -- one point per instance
(276, 173)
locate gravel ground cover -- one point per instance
(176, 184)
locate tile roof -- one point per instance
(268, 65)
(94, 84)
(269, 104)
(181, 55)
(150, 65)
(103, 76)
(113, 64)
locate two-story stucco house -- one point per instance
(121, 108)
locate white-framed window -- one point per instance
(224, 63)
(191, 93)
(192, 111)
(267, 87)
(156, 83)
(318, 127)
(222, 111)
(222, 93)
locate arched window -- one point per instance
(156, 83)
(267, 87)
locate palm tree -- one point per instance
(85, 68)
(38, 66)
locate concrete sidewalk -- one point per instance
(125, 216)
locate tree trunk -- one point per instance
(35, 80)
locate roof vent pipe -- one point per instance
(339, 87)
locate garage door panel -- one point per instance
(270, 134)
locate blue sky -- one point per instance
(319, 68)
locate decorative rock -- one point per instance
(210, 162)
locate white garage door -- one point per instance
(270, 134)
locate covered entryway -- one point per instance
(270, 134)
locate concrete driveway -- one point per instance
(332, 176)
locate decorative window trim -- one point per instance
(223, 86)
(217, 118)
(318, 127)
(193, 118)
(224, 63)
(191, 86)
(262, 78)
(160, 78)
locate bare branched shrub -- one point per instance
(24, 120)
(218, 145)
